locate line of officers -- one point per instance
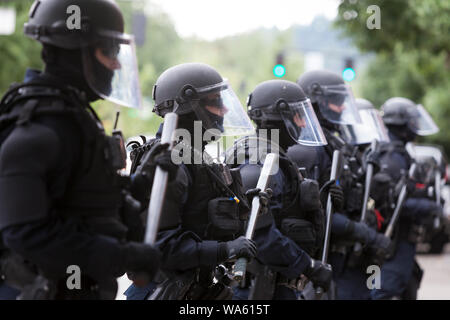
(65, 202)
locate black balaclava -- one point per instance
(285, 139)
(216, 120)
(103, 76)
(402, 133)
(187, 121)
(67, 66)
(324, 123)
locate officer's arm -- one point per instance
(344, 228)
(416, 208)
(28, 161)
(183, 249)
(340, 225)
(280, 253)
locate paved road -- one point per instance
(435, 283)
(436, 278)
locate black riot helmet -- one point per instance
(407, 119)
(96, 29)
(332, 99)
(276, 103)
(197, 88)
(372, 127)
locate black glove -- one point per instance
(336, 193)
(141, 261)
(131, 216)
(373, 157)
(241, 247)
(159, 155)
(427, 219)
(370, 237)
(436, 210)
(319, 273)
(264, 197)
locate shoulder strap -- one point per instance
(71, 101)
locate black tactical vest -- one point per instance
(93, 194)
(351, 178)
(300, 216)
(210, 181)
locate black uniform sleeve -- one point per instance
(35, 163)
(54, 245)
(27, 158)
(183, 249)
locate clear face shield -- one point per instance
(111, 70)
(219, 108)
(302, 124)
(421, 122)
(421, 152)
(337, 105)
(372, 128)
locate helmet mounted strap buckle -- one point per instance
(187, 93)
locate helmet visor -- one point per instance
(420, 152)
(421, 122)
(219, 108)
(111, 71)
(338, 105)
(372, 128)
(302, 124)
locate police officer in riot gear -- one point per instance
(351, 282)
(205, 209)
(404, 120)
(430, 174)
(290, 244)
(63, 204)
(335, 106)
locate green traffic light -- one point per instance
(279, 71)
(348, 74)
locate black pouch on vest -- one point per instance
(117, 153)
(309, 195)
(223, 215)
(353, 199)
(301, 232)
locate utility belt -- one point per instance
(362, 259)
(297, 284)
(16, 272)
(194, 284)
(19, 274)
(339, 248)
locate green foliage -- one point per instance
(413, 54)
(18, 52)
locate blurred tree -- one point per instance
(18, 52)
(413, 53)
